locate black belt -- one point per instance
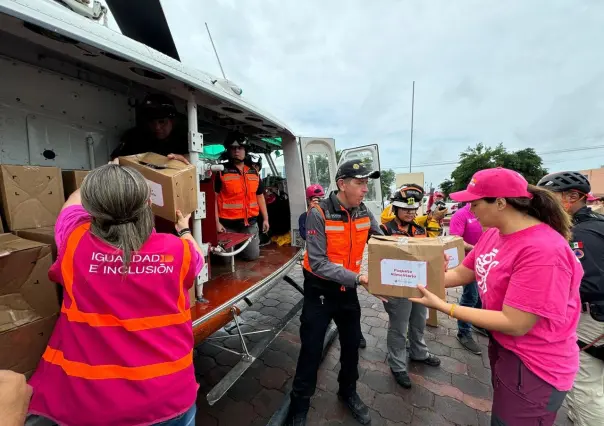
(595, 351)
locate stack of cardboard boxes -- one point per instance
(30, 201)
(31, 198)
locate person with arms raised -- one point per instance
(528, 278)
(121, 353)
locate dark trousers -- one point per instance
(520, 397)
(323, 301)
(469, 298)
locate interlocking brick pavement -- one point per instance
(458, 392)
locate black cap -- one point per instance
(156, 106)
(356, 169)
(235, 139)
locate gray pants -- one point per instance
(406, 319)
(252, 251)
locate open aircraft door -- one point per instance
(320, 166)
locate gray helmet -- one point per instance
(565, 181)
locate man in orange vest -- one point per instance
(240, 196)
(337, 230)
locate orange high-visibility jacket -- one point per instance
(237, 198)
(346, 236)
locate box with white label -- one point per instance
(172, 183)
(397, 265)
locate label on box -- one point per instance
(453, 257)
(403, 273)
(157, 196)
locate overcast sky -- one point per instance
(526, 73)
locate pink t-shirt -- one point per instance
(534, 270)
(465, 225)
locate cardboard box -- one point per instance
(28, 302)
(398, 264)
(173, 185)
(72, 180)
(44, 235)
(21, 349)
(32, 196)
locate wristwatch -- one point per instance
(183, 231)
(357, 280)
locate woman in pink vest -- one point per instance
(528, 279)
(122, 350)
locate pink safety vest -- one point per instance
(121, 351)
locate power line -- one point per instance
(557, 151)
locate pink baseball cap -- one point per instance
(315, 190)
(494, 183)
(591, 197)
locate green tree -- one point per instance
(526, 162)
(387, 180)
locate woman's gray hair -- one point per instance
(117, 198)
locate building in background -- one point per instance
(596, 179)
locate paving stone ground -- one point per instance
(459, 392)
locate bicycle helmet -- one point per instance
(408, 198)
(565, 181)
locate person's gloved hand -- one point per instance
(15, 394)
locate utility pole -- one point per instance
(412, 111)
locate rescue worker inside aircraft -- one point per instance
(407, 320)
(124, 331)
(157, 131)
(240, 196)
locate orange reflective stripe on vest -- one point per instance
(107, 320)
(345, 241)
(98, 372)
(73, 314)
(237, 198)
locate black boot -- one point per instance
(298, 409)
(362, 342)
(295, 419)
(357, 407)
(402, 378)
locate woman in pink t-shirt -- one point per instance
(121, 353)
(528, 279)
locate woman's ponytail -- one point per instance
(545, 207)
